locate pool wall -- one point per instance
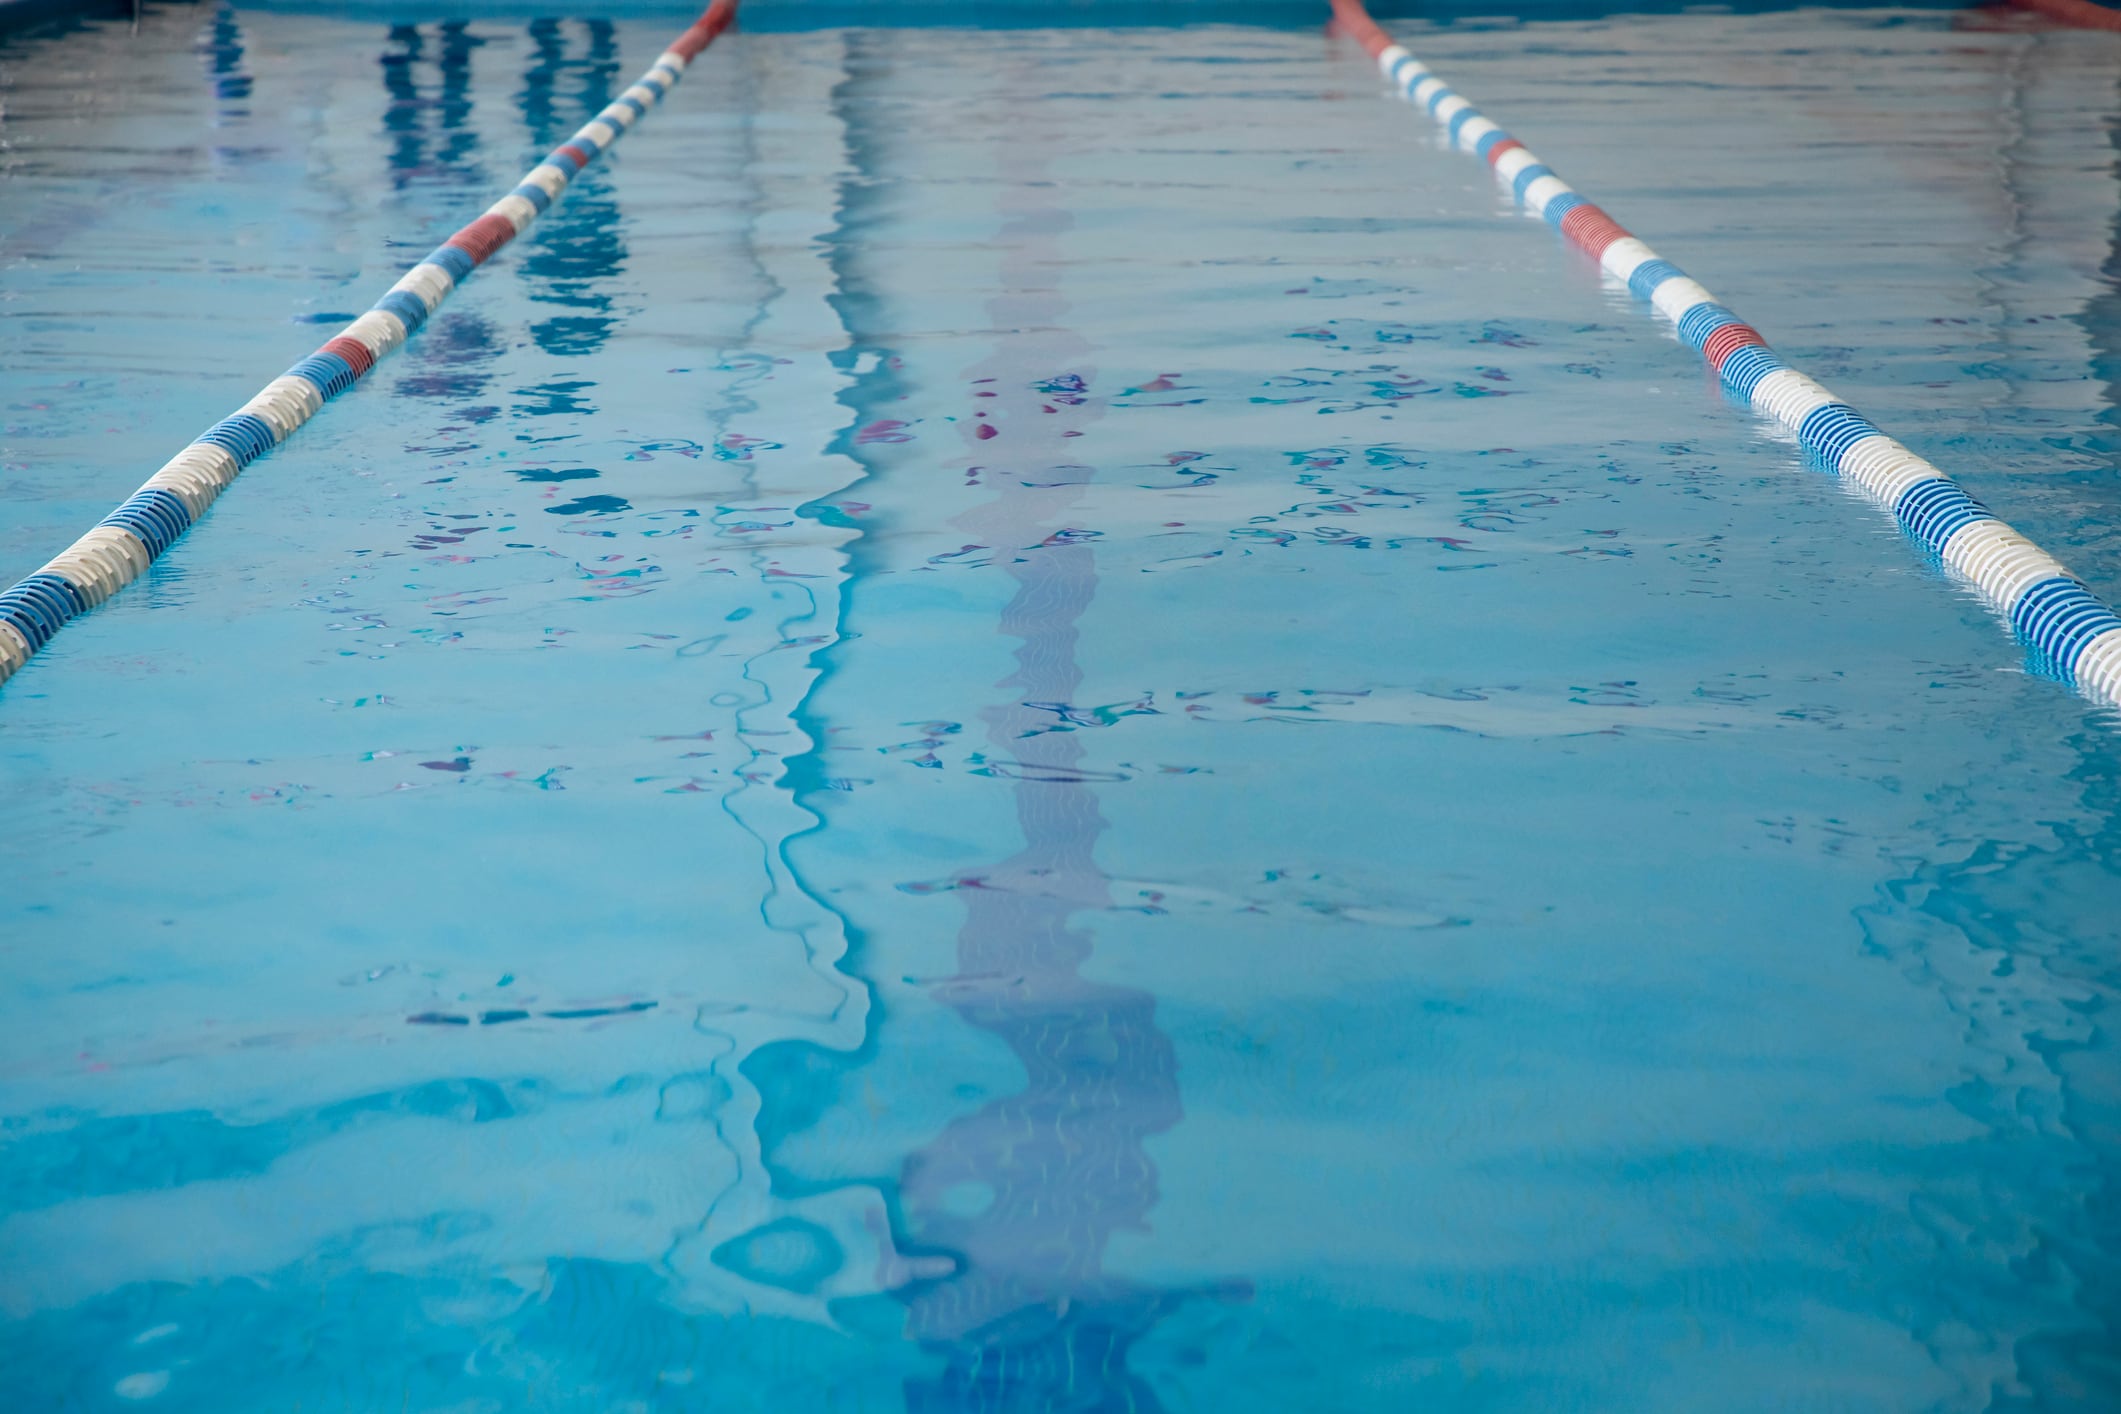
(778, 15)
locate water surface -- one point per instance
(956, 744)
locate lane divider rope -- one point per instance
(119, 549)
(2077, 14)
(2054, 613)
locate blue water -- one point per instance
(1375, 847)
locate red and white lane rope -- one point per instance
(2068, 628)
(119, 550)
(2077, 14)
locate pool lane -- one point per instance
(657, 863)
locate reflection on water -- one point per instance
(220, 47)
(2101, 316)
(434, 145)
(427, 74)
(576, 247)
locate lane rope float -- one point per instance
(2053, 612)
(121, 547)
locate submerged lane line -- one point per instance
(2060, 619)
(120, 548)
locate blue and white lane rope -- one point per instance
(2061, 620)
(120, 548)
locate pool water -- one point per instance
(955, 744)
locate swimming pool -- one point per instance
(646, 861)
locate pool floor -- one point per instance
(957, 744)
